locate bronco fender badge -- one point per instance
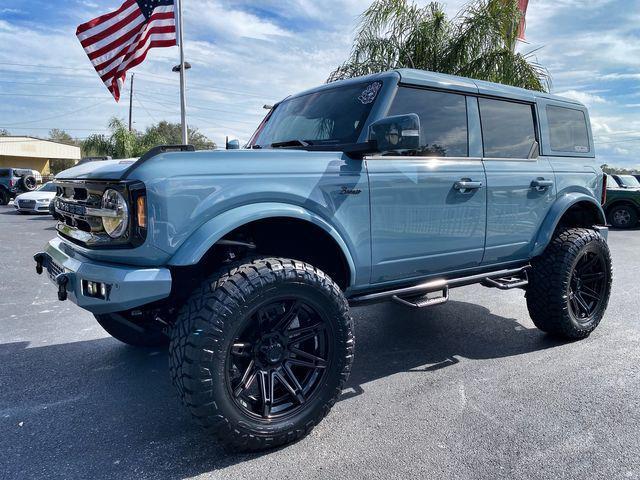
(349, 191)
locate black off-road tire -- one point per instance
(4, 197)
(148, 337)
(205, 331)
(549, 291)
(622, 216)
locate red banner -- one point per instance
(522, 5)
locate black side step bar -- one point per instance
(416, 295)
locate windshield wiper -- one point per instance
(291, 143)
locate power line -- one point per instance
(58, 127)
(59, 115)
(168, 80)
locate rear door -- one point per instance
(520, 184)
(421, 223)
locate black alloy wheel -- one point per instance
(261, 351)
(570, 283)
(587, 285)
(278, 361)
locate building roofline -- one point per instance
(37, 138)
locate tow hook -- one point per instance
(62, 280)
(39, 258)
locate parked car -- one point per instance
(37, 201)
(397, 186)
(623, 205)
(626, 181)
(14, 181)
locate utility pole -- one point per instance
(131, 104)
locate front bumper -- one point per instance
(37, 208)
(126, 287)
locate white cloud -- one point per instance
(230, 23)
(587, 98)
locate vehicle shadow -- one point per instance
(392, 338)
(100, 409)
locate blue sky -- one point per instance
(247, 53)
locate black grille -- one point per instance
(74, 202)
(26, 203)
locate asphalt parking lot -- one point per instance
(465, 390)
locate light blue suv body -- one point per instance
(395, 219)
(395, 186)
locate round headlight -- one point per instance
(115, 225)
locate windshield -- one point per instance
(47, 187)
(629, 181)
(334, 116)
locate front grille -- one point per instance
(78, 205)
(71, 203)
(26, 203)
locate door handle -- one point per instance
(541, 184)
(465, 185)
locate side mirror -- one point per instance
(233, 144)
(400, 132)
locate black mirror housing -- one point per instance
(397, 133)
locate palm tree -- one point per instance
(478, 43)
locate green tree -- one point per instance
(60, 136)
(166, 133)
(478, 43)
(122, 143)
(4, 132)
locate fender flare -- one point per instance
(206, 236)
(557, 211)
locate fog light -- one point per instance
(95, 289)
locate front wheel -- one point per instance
(260, 352)
(570, 283)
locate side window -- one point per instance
(567, 130)
(443, 120)
(507, 128)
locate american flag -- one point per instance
(120, 40)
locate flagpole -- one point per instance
(183, 100)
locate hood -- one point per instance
(203, 162)
(102, 170)
(36, 195)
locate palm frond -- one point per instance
(479, 42)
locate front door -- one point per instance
(428, 210)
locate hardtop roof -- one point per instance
(410, 76)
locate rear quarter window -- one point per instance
(567, 130)
(5, 173)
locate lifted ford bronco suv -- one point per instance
(396, 186)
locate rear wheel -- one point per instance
(570, 283)
(4, 197)
(260, 353)
(623, 216)
(137, 335)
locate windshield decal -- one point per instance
(369, 94)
